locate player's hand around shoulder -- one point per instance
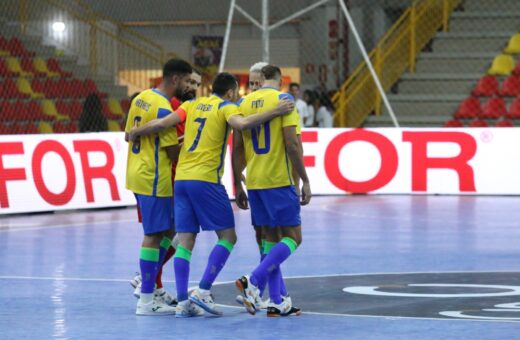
(285, 106)
(306, 193)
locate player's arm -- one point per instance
(292, 145)
(158, 125)
(238, 160)
(173, 152)
(295, 176)
(241, 123)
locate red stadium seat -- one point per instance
(478, 123)
(21, 111)
(31, 128)
(54, 66)
(487, 86)
(75, 109)
(35, 112)
(27, 66)
(469, 108)
(125, 105)
(63, 108)
(17, 48)
(510, 87)
(38, 85)
(10, 90)
(494, 108)
(453, 123)
(504, 123)
(514, 109)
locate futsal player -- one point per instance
(201, 201)
(148, 176)
(273, 198)
(160, 293)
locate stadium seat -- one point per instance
(63, 108)
(27, 66)
(75, 109)
(14, 66)
(514, 110)
(513, 46)
(502, 65)
(74, 88)
(45, 127)
(54, 66)
(478, 123)
(4, 50)
(4, 129)
(10, 90)
(49, 109)
(113, 125)
(125, 105)
(17, 48)
(504, 123)
(487, 86)
(453, 123)
(24, 87)
(115, 107)
(20, 111)
(510, 87)
(5, 71)
(31, 128)
(7, 110)
(40, 66)
(38, 86)
(35, 112)
(494, 108)
(469, 108)
(51, 89)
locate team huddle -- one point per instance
(174, 205)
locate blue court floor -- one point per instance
(370, 267)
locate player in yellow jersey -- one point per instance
(201, 201)
(271, 149)
(148, 176)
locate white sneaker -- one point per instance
(187, 309)
(204, 300)
(136, 283)
(165, 297)
(259, 303)
(285, 308)
(153, 308)
(250, 293)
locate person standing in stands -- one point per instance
(92, 118)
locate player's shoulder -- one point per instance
(285, 95)
(225, 103)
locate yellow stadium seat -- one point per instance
(514, 44)
(24, 87)
(49, 109)
(502, 65)
(14, 66)
(41, 66)
(115, 107)
(45, 127)
(113, 126)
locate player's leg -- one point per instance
(187, 228)
(283, 206)
(165, 254)
(214, 213)
(156, 212)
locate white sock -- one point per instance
(204, 291)
(159, 291)
(146, 298)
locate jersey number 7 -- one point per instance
(202, 122)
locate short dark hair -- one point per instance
(224, 82)
(197, 71)
(291, 85)
(176, 67)
(271, 72)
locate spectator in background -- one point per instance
(309, 97)
(92, 118)
(301, 106)
(323, 113)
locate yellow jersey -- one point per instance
(149, 169)
(205, 138)
(268, 165)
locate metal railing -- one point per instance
(394, 54)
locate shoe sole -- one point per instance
(154, 314)
(251, 309)
(204, 306)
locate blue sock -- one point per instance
(181, 265)
(283, 288)
(148, 260)
(217, 260)
(262, 286)
(274, 286)
(278, 254)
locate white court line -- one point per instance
(297, 277)
(68, 225)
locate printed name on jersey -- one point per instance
(142, 104)
(204, 107)
(257, 104)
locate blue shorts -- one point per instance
(202, 205)
(277, 207)
(156, 213)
